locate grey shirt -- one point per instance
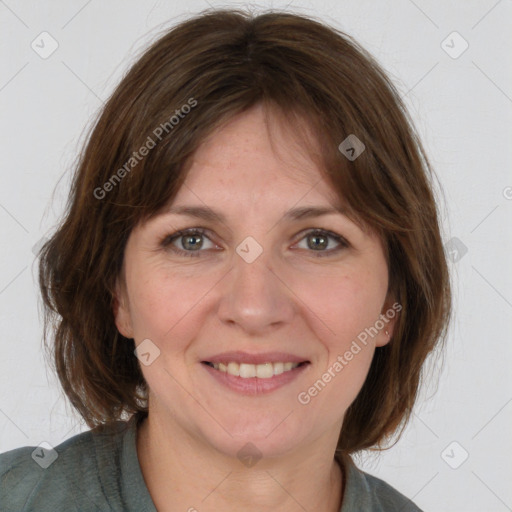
(99, 470)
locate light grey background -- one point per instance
(463, 109)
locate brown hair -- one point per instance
(220, 63)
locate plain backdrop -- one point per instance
(449, 62)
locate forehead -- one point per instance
(256, 156)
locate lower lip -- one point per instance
(254, 385)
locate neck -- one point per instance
(181, 473)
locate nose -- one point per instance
(254, 296)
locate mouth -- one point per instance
(254, 379)
(259, 371)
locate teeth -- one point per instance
(278, 368)
(262, 371)
(233, 369)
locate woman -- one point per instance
(247, 281)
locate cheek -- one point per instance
(164, 302)
(343, 305)
(349, 307)
(349, 310)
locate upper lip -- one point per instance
(247, 358)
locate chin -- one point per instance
(250, 449)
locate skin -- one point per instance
(287, 300)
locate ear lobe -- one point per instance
(388, 318)
(121, 312)
(384, 337)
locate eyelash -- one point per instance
(167, 241)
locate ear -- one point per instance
(121, 310)
(388, 317)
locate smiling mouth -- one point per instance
(260, 371)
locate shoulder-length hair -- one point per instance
(199, 74)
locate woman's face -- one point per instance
(259, 286)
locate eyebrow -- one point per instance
(305, 212)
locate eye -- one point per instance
(191, 242)
(318, 239)
(189, 239)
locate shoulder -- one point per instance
(48, 478)
(367, 492)
(387, 496)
